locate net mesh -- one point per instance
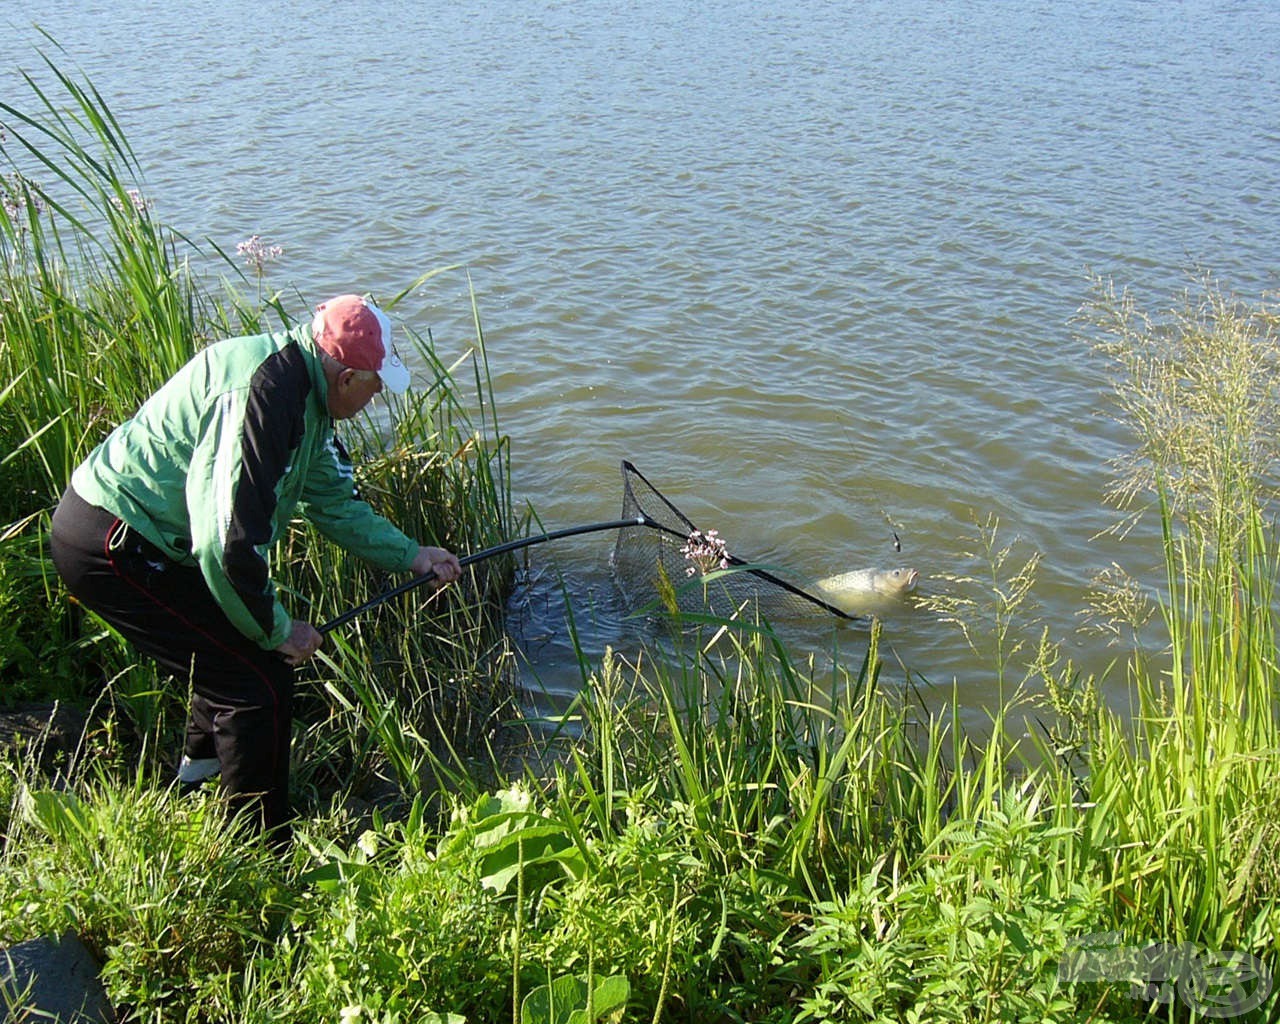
(671, 546)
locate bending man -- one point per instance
(164, 529)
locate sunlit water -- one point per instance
(813, 269)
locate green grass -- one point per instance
(726, 834)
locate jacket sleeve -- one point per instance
(232, 490)
(330, 501)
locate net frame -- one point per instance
(639, 554)
(751, 583)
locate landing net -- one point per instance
(669, 547)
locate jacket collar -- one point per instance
(319, 382)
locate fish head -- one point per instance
(896, 581)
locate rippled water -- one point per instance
(812, 269)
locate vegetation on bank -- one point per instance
(732, 837)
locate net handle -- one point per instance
(479, 556)
(764, 574)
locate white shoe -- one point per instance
(191, 772)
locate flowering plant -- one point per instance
(16, 194)
(705, 552)
(257, 253)
(137, 202)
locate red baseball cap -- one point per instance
(358, 334)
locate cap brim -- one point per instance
(394, 374)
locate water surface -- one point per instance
(813, 269)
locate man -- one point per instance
(164, 529)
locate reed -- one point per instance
(96, 307)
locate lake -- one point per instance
(814, 268)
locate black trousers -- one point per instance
(242, 704)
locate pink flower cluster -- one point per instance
(15, 194)
(140, 203)
(257, 253)
(705, 551)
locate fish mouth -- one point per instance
(913, 577)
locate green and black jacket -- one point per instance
(217, 462)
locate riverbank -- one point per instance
(726, 836)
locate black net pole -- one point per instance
(643, 505)
(498, 549)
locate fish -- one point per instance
(864, 591)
